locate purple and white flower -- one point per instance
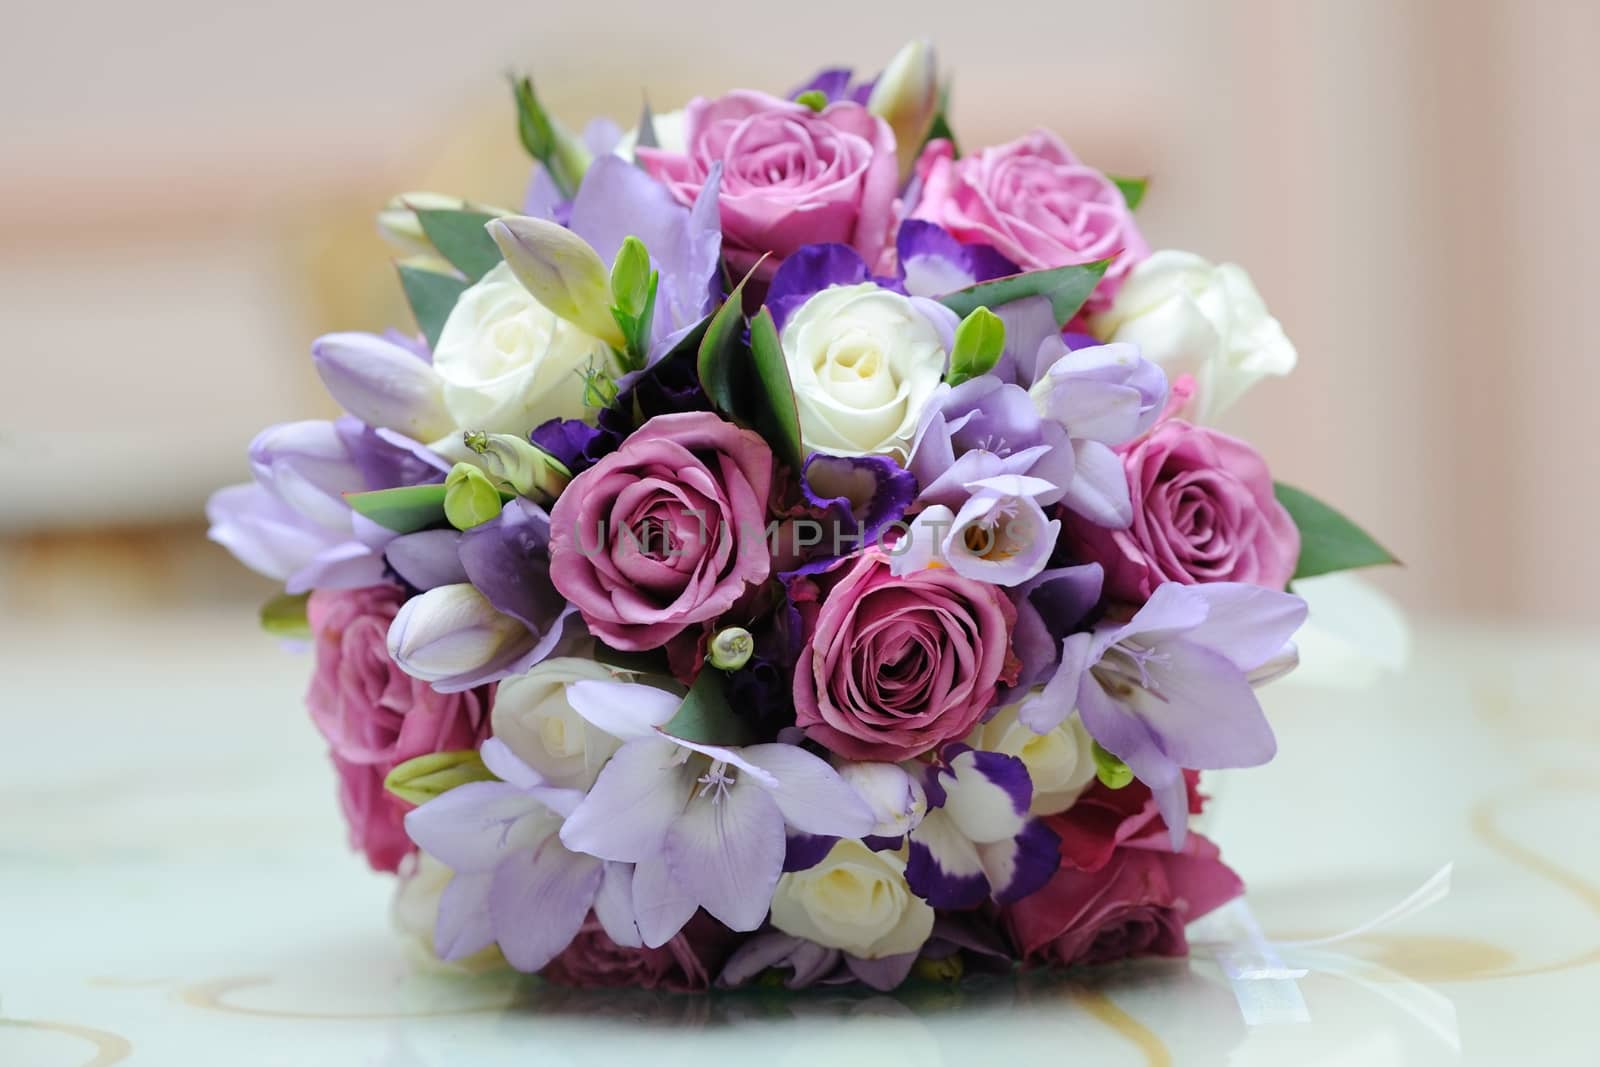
(978, 840)
(1001, 535)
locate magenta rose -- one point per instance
(1121, 891)
(1035, 202)
(666, 533)
(686, 964)
(791, 176)
(375, 716)
(894, 666)
(1203, 511)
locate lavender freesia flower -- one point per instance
(986, 428)
(705, 825)
(292, 523)
(977, 839)
(1001, 534)
(1171, 688)
(515, 884)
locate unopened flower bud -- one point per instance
(815, 99)
(896, 798)
(382, 383)
(906, 96)
(731, 648)
(1112, 772)
(470, 498)
(450, 632)
(417, 781)
(630, 277)
(979, 340)
(527, 469)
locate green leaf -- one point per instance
(722, 352)
(432, 297)
(706, 716)
(980, 339)
(460, 237)
(404, 510)
(1133, 190)
(285, 616)
(1066, 287)
(1328, 541)
(777, 419)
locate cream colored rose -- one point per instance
(508, 363)
(1192, 316)
(856, 900)
(864, 362)
(1060, 763)
(532, 717)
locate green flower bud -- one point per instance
(731, 648)
(815, 99)
(417, 781)
(563, 154)
(948, 969)
(470, 498)
(1112, 772)
(980, 339)
(599, 390)
(630, 277)
(525, 468)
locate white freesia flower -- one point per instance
(1188, 314)
(508, 363)
(1060, 762)
(897, 799)
(451, 631)
(856, 900)
(864, 361)
(533, 718)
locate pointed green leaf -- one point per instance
(1065, 287)
(285, 616)
(459, 237)
(723, 352)
(1133, 190)
(706, 716)
(778, 419)
(404, 510)
(1328, 541)
(432, 297)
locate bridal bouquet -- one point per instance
(790, 546)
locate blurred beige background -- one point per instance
(187, 194)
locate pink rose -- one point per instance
(1035, 202)
(1203, 511)
(791, 176)
(375, 716)
(667, 532)
(686, 964)
(894, 666)
(1121, 891)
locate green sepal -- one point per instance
(432, 297)
(1329, 542)
(417, 781)
(459, 237)
(1133, 189)
(285, 616)
(1065, 287)
(706, 716)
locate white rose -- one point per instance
(532, 717)
(864, 362)
(1060, 763)
(1189, 315)
(856, 900)
(509, 363)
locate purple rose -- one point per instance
(1036, 203)
(1203, 511)
(791, 177)
(375, 716)
(685, 964)
(665, 533)
(894, 666)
